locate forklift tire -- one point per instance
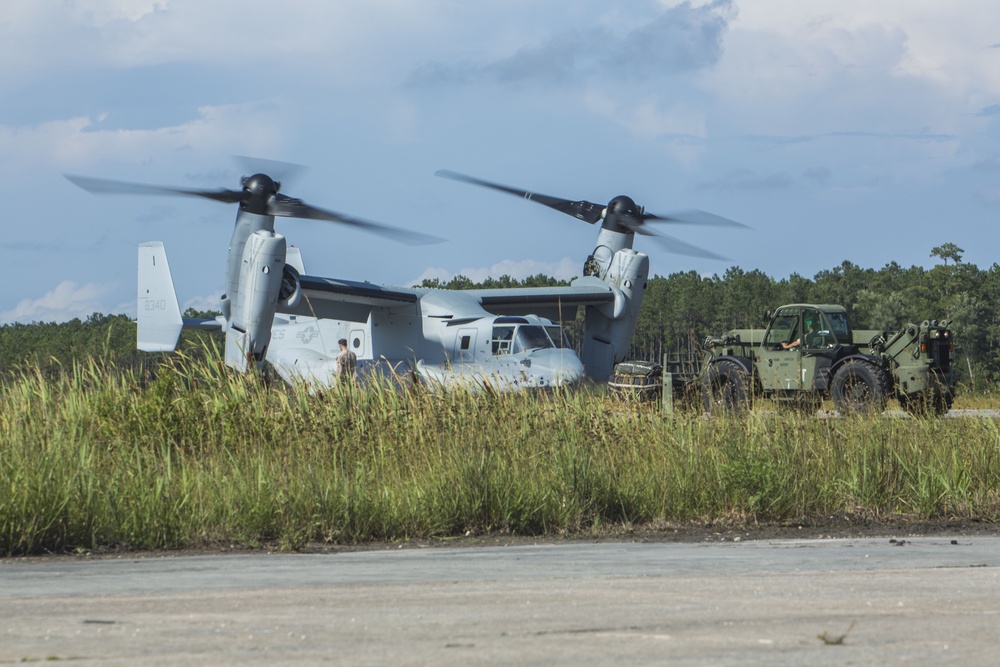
(726, 388)
(860, 387)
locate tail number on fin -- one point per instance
(159, 316)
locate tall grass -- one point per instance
(97, 459)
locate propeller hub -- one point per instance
(257, 190)
(622, 215)
(622, 205)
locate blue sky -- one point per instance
(856, 130)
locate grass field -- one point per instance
(94, 460)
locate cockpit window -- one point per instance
(558, 337)
(503, 337)
(531, 337)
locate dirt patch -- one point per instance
(830, 528)
(840, 526)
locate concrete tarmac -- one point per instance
(910, 601)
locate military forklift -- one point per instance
(810, 352)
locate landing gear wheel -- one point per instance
(726, 388)
(860, 387)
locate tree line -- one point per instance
(678, 311)
(50, 347)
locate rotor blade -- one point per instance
(693, 217)
(288, 207)
(581, 210)
(678, 247)
(100, 186)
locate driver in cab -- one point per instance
(810, 330)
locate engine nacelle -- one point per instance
(608, 329)
(260, 284)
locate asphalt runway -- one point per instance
(908, 601)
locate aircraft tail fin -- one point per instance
(159, 316)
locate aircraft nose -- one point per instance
(555, 367)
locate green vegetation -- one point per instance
(48, 347)
(96, 458)
(103, 447)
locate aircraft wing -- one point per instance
(346, 299)
(554, 303)
(353, 301)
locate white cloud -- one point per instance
(747, 179)
(71, 143)
(647, 119)
(67, 301)
(102, 12)
(45, 35)
(203, 303)
(680, 38)
(785, 49)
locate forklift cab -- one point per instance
(799, 347)
(807, 328)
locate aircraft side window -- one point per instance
(466, 341)
(503, 337)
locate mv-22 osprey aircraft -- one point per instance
(504, 339)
